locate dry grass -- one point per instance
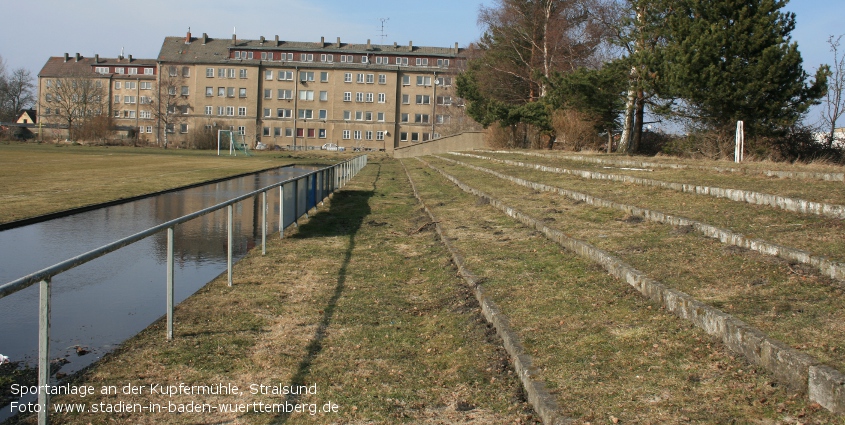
(37, 179)
(818, 235)
(604, 350)
(791, 303)
(831, 192)
(818, 166)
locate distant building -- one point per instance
(838, 134)
(27, 116)
(305, 94)
(122, 89)
(285, 93)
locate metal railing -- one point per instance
(318, 185)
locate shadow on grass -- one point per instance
(348, 210)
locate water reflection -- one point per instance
(105, 301)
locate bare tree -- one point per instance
(171, 107)
(75, 99)
(527, 40)
(17, 92)
(834, 101)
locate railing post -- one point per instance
(264, 223)
(307, 194)
(323, 186)
(295, 203)
(44, 351)
(281, 211)
(229, 243)
(170, 283)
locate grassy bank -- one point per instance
(604, 351)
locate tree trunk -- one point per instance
(638, 126)
(625, 140)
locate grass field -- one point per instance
(363, 300)
(37, 179)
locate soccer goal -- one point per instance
(234, 140)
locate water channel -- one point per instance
(98, 305)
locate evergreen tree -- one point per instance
(730, 60)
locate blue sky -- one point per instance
(34, 30)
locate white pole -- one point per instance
(740, 142)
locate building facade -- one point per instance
(284, 93)
(306, 94)
(121, 89)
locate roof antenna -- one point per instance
(383, 35)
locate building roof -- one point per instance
(216, 50)
(32, 113)
(64, 66)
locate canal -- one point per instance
(99, 304)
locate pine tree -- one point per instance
(730, 60)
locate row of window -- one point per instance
(73, 97)
(221, 91)
(361, 97)
(131, 85)
(311, 133)
(329, 58)
(143, 100)
(129, 113)
(226, 111)
(362, 135)
(122, 70)
(425, 81)
(58, 83)
(226, 73)
(415, 137)
(365, 78)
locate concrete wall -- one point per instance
(465, 141)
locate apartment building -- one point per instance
(284, 93)
(122, 88)
(305, 94)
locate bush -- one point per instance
(799, 144)
(205, 138)
(518, 136)
(575, 131)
